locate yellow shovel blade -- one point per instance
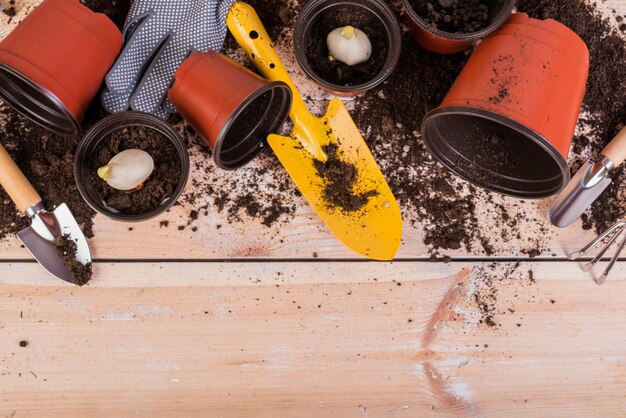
(375, 230)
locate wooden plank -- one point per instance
(312, 339)
(302, 237)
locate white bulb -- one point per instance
(349, 45)
(128, 169)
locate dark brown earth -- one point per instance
(605, 100)
(160, 185)
(454, 16)
(334, 71)
(390, 117)
(340, 178)
(66, 248)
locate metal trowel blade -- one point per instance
(40, 240)
(584, 188)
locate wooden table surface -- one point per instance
(245, 321)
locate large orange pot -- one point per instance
(441, 42)
(53, 63)
(508, 121)
(232, 108)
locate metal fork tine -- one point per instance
(590, 265)
(604, 276)
(574, 256)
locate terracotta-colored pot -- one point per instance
(316, 10)
(441, 42)
(508, 121)
(53, 63)
(232, 108)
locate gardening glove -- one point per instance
(158, 36)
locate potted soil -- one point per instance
(449, 26)
(131, 166)
(347, 46)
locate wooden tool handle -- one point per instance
(616, 150)
(16, 185)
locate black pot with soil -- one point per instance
(142, 133)
(450, 26)
(318, 18)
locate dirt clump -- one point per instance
(67, 248)
(340, 177)
(454, 16)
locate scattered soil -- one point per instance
(340, 178)
(605, 100)
(454, 16)
(67, 250)
(160, 185)
(334, 71)
(47, 161)
(390, 118)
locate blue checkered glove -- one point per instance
(158, 36)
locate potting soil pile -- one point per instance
(389, 117)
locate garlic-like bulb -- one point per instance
(127, 170)
(349, 45)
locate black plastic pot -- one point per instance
(435, 40)
(99, 132)
(315, 11)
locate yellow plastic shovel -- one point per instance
(375, 230)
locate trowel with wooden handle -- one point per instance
(588, 184)
(46, 227)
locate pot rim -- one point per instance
(99, 132)
(32, 108)
(282, 115)
(531, 134)
(381, 10)
(500, 19)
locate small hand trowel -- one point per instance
(375, 230)
(588, 184)
(41, 236)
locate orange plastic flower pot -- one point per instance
(232, 108)
(508, 121)
(53, 63)
(441, 42)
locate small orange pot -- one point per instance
(508, 121)
(232, 108)
(441, 42)
(53, 63)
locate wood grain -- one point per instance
(311, 340)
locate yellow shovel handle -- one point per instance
(249, 32)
